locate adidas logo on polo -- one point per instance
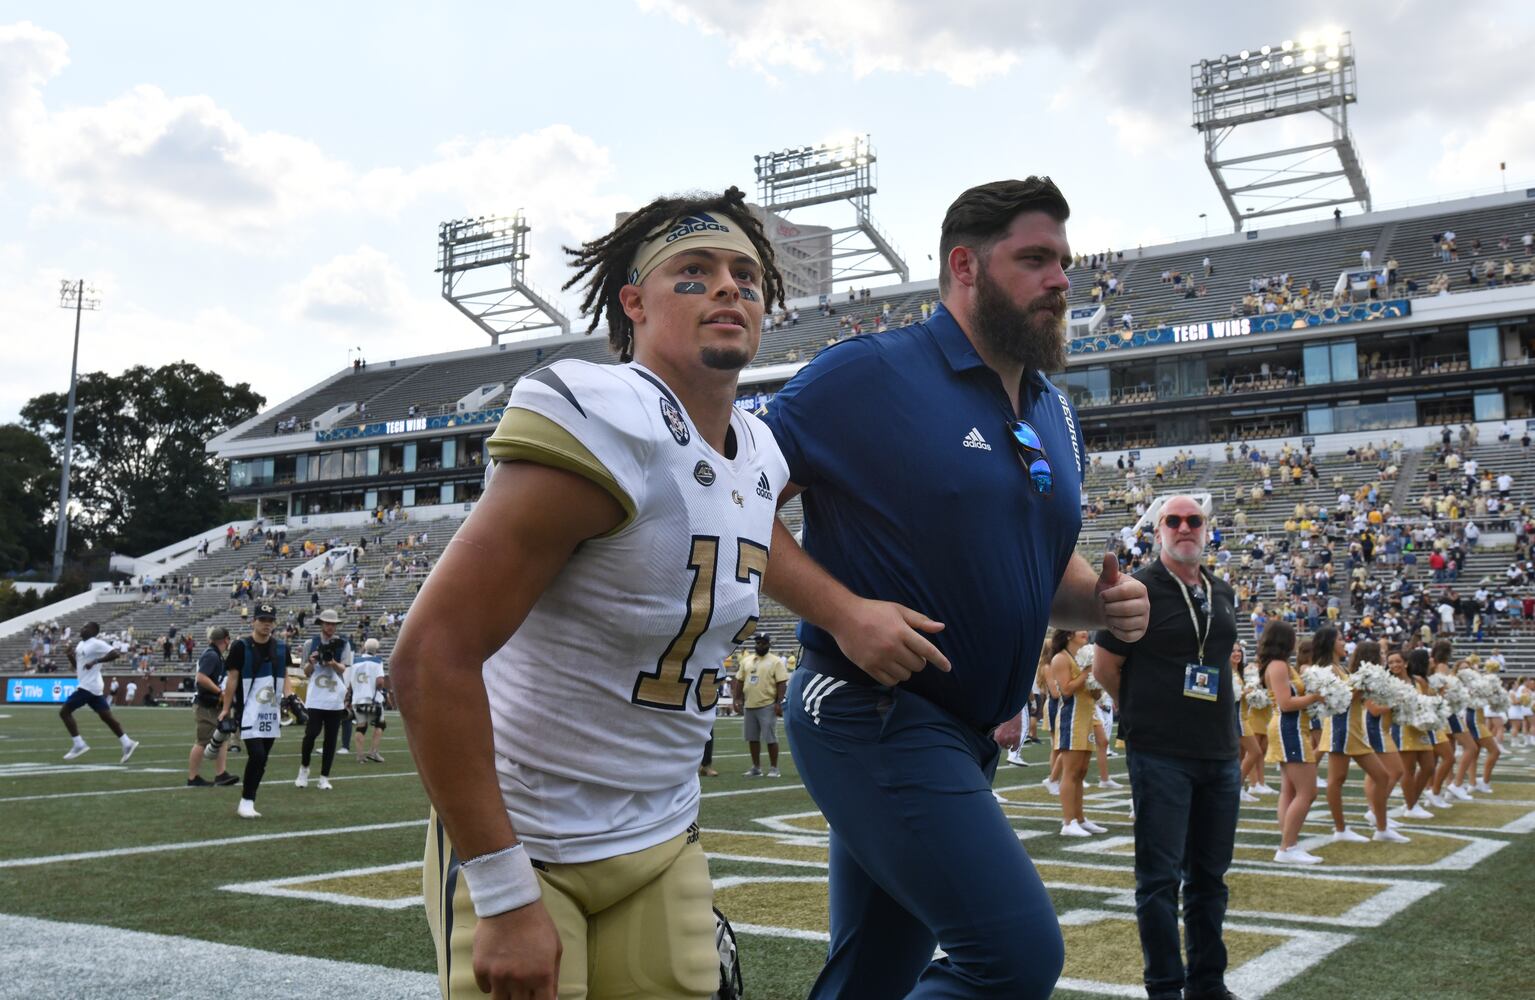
(974, 440)
(764, 488)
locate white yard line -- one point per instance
(181, 788)
(188, 845)
(43, 959)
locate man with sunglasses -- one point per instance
(942, 477)
(1177, 715)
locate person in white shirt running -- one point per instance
(88, 655)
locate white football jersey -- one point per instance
(604, 698)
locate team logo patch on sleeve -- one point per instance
(675, 422)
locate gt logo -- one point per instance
(737, 498)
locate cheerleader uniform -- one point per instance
(1475, 720)
(1344, 732)
(1243, 729)
(1379, 732)
(1075, 718)
(1411, 739)
(1289, 741)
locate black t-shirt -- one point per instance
(210, 665)
(1154, 713)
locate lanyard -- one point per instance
(1209, 616)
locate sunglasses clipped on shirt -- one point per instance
(1032, 450)
(1176, 521)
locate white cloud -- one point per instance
(1472, 154)
(360, 291)
(29, 58)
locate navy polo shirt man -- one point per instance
(941, 473)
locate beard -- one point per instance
(724, 359)
(1033, 336)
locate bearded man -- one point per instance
(942, 475)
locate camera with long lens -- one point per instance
(226, 728)
(295, 708)
(333, 650)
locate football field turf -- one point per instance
(119, 881)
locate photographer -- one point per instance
(257, 670)
(325, 664)
(367, 693)
(205, 703)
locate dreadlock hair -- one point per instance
(607, 259)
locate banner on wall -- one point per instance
(1280, 322)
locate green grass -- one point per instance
(1467, 940)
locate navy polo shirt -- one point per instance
(915, 493)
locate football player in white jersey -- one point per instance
(558, 673)
(88, 655)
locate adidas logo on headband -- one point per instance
(700, 223)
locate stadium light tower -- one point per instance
(72, 295)
(1313, 75)
(831, 172)
(481, 261)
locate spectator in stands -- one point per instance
(205, 705)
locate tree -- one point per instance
(29, 490)
(141, 474)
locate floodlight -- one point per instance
(1288, 60)
(1332, 52)
(1265, 64)
(1266, 49)
(1332, 64)
(1245, 53)
(1287, 45)
(1308, 69)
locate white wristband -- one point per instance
(501, 881)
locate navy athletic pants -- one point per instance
(921, 854)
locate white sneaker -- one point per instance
(302, 781)
(1015, 756)
(1347, 836)
(1262, 790)
(247, 810)
(1321, 781)
(1110, 754)
(1053, 787)
(752, 772)
(1092, 827)
(1418, 812)
(133, 745)
(1440, 802)
(1369, 818)
(1295, 856)
(1480, 786)
(1459, 792)
(76, 751)
(1073, 830)
(1110, 783)
(1391, 837)
(998, 796)
(1246, 796)
(323, 784)
(773, 773)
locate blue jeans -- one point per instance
(1185, 832)
(921, 854)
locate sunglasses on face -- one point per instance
(1176, 521)
(1032, 450)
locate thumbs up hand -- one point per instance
(1126, 608)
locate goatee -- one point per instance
(1034, 336)
(725, 359)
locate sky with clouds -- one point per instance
(257, 189)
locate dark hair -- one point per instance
(1441, 650)
(1367, 651)
(1324, 647)
(1278, 643)
(979, 216)
(607, 259)
(1059, 639)
(1303, 652)
(1417, 663)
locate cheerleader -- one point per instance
(1103, 721)
(1313, 722)
(1459, 737)
(1074, 731)
(1474, 728)
(1343, 736)
(1378, 731)
(1289, 741)
(1252, 727)
(1489, 728)
(1046, 683)
(1522, 698)
(1417, 746)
